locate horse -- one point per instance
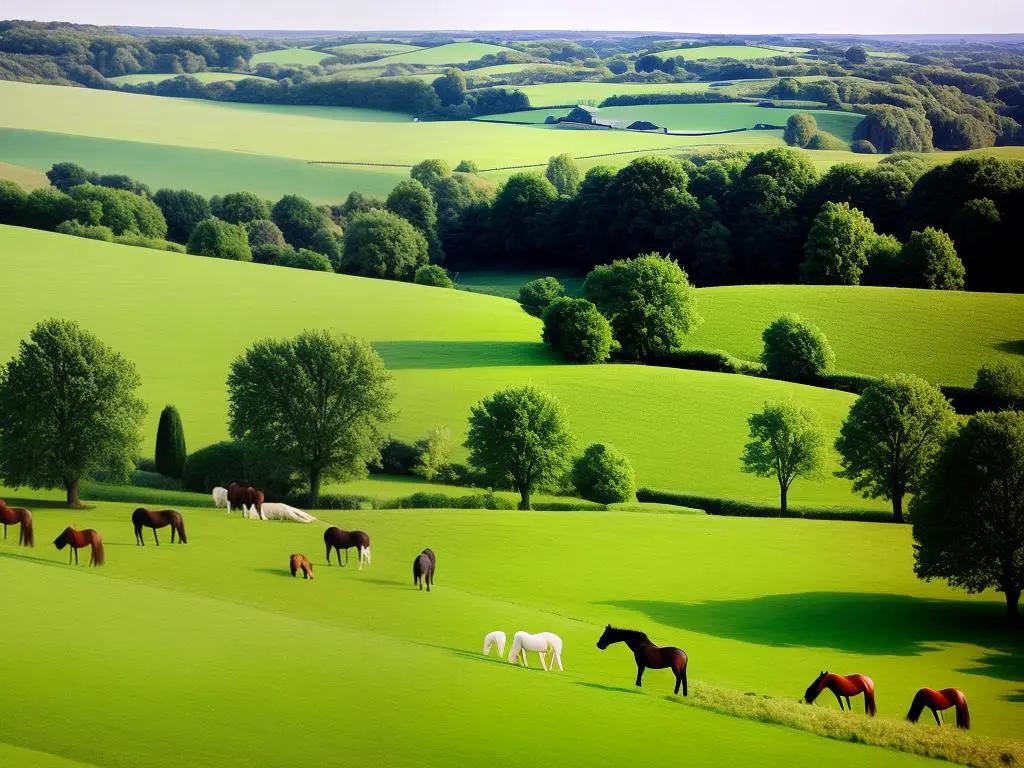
(14, 515)
(647, 654)
(937, 701)
(77, 539)
(275, 511)
(494, 639)
(220, 497)
(158, 518)
(245, 496)
(423, 569)
(543, 643)
(337, 539)
(844, 687)
(301, 563)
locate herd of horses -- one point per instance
(547, 645)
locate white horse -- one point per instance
(543, 643)
(220, 497)
(493, 639)
(275, 511)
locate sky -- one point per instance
(731, 17)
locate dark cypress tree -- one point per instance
(170, 443)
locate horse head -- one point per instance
(62, 541)
(517, 645)
(814, 688)
(605, 640)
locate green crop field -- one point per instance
(285, 56)
(374, 49)
(203, 77)
(741, 52)
(451, 53)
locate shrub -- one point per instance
(270, 253)
(795, 349)
(454, 473)
(343, 501)
(220, 464)
(382, 244)
(467, 166)
(304, 259)
(182, 209)
(397, 457)
(45, 208)
(800, 129)
(1001, 384)
(92, 232)
(604, 475)
(219, 239)
(863, 147)
(170, 454)
(124, 212)
(713, 360)
(837, 245)
(577, 331)
(240, 208)
(929, 260)
(433, 275)
(12, 202)
(140, 241)
(732, 508)
(299, 220)
(825, 140)
(536, 295)
(264, 232)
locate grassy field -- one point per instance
(374, 49)
(28, 178)
(271, 666)
(740, 52)
(451, 53)
(285, 56)
(203, 77)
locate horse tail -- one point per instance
(181, 530)
(869, 697)
(28, 536)
(98, 558)
(963, 714)
(917, 706)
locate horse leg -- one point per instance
(938, 720)
(685, 691)
(639, 675)
(558, 658)
(840, 700)
(75, 550)
(138, 541)
(848, 705)
(155, 538)
(174, 530)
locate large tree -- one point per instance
(68, 407)
(520, 437)
(891, 436)
(219, 239)
(837, 246)
(577, 331)
(795, 349)
(383, 244)
(800, 129)
(786, 442)
(299, 220)
(240, 207)
(170, 452)
(969, 516)
(451, 87)
(929, 260)
(182, 209)
(316, 402)
(563, 174)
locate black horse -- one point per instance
(647, 654)
(337, 539)
(423, 569)
(158, 518)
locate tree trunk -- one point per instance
(897, 507)
(71, 487)
(1013, 606)
(783, 493)
(524, 494)
(314, 488)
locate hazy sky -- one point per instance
(726, 16)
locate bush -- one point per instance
(140, 241)
(929, 260)
(424, 500)
(824, 140)
(454, 473)
(182, 209)
(304, 259)
(795, 349)
(344, 501)
(240, 208)
(397, 457)
(732, 508)
(264, 232)
(467, 166)
(382, 244)
(219, 239)
(45, 208)
(12, 202)
(800, 129)
(77, 229)
(270, 253)
(170, 444)
(604, 475)
(577, 331)
(433, 275)
(713, 360)
(1001, 384)
(863, 147)
(537, 295)
(215, 465)
(124, 212)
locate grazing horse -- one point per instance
(220, 497)
(158, 518)
(14, 515)
(423, 569)
(76, 539)
(844, 687)
(543, 643)
(937, 701)
(337, 539)
(647, 654)
(301, 563)
(245, 496)
(494, 639)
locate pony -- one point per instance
(245, 496)
(158, 518)
(15, 515)
(76, 539)
(647, 654)
(423, 569)
(274, 511)
(543, 643)
(337, 539)
(844, 687)
(937, 701)
(301, 563)
(494, 639)
(220, 497)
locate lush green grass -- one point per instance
(374, 49)
(270, 666)
(451, 53)
(741, 52)
(285, 56)
(203, 77)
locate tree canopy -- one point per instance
(795, 349)
(603, 474)
(383, 244)
(213, 237)
(577, 331)
(837, 246)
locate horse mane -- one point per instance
(633, 634)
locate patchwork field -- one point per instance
(740, 52)
(28, 178)
(285, 56)
(374, 49)
(203, 77)
(451, 53)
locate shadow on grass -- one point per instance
(34, 504)
(276, 571)
(385, 582)
(26, 556)
(1015, 347)
(461, 354)
(612, 688)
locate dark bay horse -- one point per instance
(301, 563)
(158, 518)
(844, 687)
(647, 654)
(14, 516)
(337, 539)
(423, 569)
(938, 701)
(243, 496)
(70, 537)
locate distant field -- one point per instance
(375, 49)
(887, 55)
(503, 69)
(741, 52)
(304, 56)
(452, 53)
(28, 178)
(203, 77)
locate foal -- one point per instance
(301, 563)
(423, 569)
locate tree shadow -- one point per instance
(34, 504)
(1014, 347)
(461, 354)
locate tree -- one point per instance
(64, 176)
(563, 174)
(648, 301)
(467, 166)
(884, 259)
(317, 403)
(12, 202)
(124, 212)
(969, 515)
(929, 260)
(519, 217)
(837, 246)
(433, 275)
(433, 452)
(856, 54)
(383, 244)
(264, 232)
(430, 173)
(451, 87)
(170, 453)
(46, 207)
(213, 237)
(604, 475)
(414, 203)
(890, 437)
(182, 209)
(1001, 384)
(68, 407)
(577, 331)
(795, 349)
(786, 442)
(536, 295)
(240, 208)
(800, 129)
(520, 436)
(304, 259)
(299, 220)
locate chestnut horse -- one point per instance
(937, 701)
(844, 687)
(243, 496)
(301, 563)
(337, 539)
(647, 654)
(158, 518)
(76, 539)
(423, 569)
(14, 515)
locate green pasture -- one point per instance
(740, 52)
(203, 77)
(28, 178)
(504, 69)
(374, 49)
(285, 56)
(451, 53)
(258, 667)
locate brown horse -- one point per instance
(301, 563)
(15, 515)
(337, 539)
(76, 539)
(243, 496)
(158, 518)
(423, 569)
(844, 687)
(938, 701)
(647, 654)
